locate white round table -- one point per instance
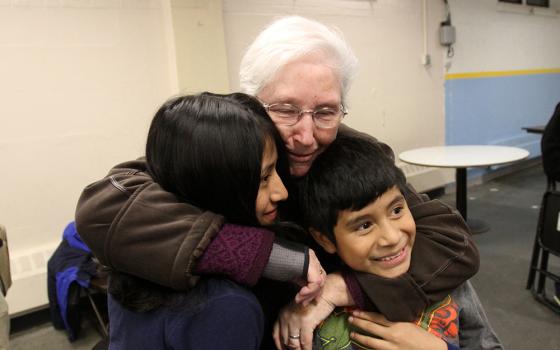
(461, 158)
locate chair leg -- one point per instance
(102, 325)
(543, 267)
(534, 262)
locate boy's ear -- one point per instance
(323, 241)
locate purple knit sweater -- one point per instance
(238, 252)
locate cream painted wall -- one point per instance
(200, 46)
(80, 81)
(504, 37)
(394, 97)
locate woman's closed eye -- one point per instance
(265, 178)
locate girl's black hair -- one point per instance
(207, 149)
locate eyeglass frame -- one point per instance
(341, 109)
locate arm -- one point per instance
(475, 331)
(127, 220)
(445, 254)
(132, 225)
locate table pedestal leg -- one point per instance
(461, 191)
(476, 226)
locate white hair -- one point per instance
(288, 39)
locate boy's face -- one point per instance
(376, 239)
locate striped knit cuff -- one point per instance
(288, 261)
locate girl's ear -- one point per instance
(323, 241)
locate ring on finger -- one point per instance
(295, 337)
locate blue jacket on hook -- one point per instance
(69, 268)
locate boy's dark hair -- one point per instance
(350, 174)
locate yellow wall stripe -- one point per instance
(473, 75)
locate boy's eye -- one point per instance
(397, 211)
(364, 226)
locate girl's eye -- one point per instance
(265, 178)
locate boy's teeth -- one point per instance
(390, 257)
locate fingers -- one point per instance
(315, 272)
(367, 325)
(316, 279)
(276, 335)
(376, 332)
(368, 341)
(311, 291)
(285, 336)
(306, 339)
(373, 317)
(304, 295)
(293, 341)
(374, 325)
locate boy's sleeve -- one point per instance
(444, 255)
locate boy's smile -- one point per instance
(376, 239)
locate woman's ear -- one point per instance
(323, 241)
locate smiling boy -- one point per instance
(359, 213)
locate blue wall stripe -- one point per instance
(492, 110)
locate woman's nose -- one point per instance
(279, 191)
(304, 129)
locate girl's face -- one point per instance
(271, 189)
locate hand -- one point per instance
(296, 323)
(316, 278)
(392, 335)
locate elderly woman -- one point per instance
(301, 72)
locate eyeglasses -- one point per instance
(288, 115)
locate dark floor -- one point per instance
(510, 204)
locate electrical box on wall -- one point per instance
(446, 34)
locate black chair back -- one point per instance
(547, 242)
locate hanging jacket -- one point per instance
(69, 268)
